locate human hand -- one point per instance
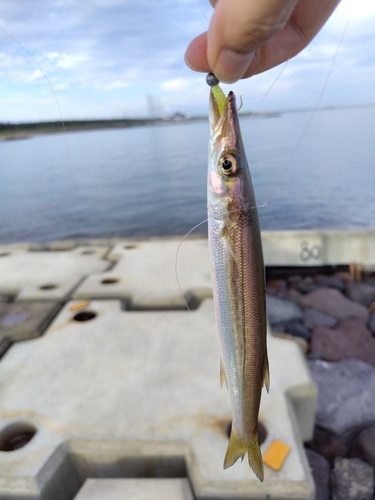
(246, 37)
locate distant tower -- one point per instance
(154, 106)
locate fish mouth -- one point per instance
(225, 124)
(214, 113)
(228, 111)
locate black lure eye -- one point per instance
(228, 164)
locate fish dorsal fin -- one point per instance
(223, 376)
(266, 374)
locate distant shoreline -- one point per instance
(18, 131)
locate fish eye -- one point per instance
(228, 164)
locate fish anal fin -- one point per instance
(238, 447)
(223, 376)
(266, 373)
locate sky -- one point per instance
(103, 58)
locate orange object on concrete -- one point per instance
(276, 454)
(79, 305)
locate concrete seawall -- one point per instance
(109, 386)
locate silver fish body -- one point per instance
(238, 281)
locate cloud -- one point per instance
(177, 84)
(120, 51)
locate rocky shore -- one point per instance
(333, 318)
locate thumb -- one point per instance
(238, 28)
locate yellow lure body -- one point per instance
(219, 97)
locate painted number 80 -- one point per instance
(307, 253)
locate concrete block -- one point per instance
(26, 472)
(24, 321)
(6, 249)
(318, 248)
(49, 275)
(136, 394)
(144, 274)
(135, 489)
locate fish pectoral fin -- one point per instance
(238, 447)
(266, 373)
(223, 375)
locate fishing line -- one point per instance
(67, 186)
(178, 281)
(278, 180)
(328, 76)
(206, 220)
(202, 11)
(270, 88)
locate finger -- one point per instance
(306, 21)
(238, 28)
(196, 54)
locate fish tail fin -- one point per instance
(255, 458)
(238, 447)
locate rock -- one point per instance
(363, 446)
(330, 281)
(278, 328)
(352, 479)
(349, 339)
(307, 285)
(313, 355)
(313, 318)
(302, 343)
(270, 290)
(320, 469)
(293, 294)
(369, 278)
(277, 288)
(371, 323)
(294, 279)
(282, 311)
(346, 394)
(297, 329)
(333, 302)
(327, 445)
(361, 292)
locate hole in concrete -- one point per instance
(130, 247)
(16, 436)
(48, 286)
(110, 281)
(262, 433)
(87, 252)
(4, 254)
(85, 316)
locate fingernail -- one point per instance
(231, 66)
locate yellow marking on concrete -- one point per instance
(276, 454)
(79, 305)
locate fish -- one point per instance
(238, 278)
